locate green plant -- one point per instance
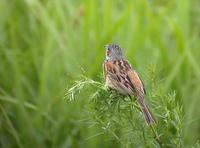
(120, 117)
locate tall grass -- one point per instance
(46, 45)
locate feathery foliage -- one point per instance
(120, 117)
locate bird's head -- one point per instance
(113, 52)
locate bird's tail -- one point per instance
(149, 117)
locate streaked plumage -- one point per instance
(120, 76)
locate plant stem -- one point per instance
(157, 138)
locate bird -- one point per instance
(120, 76)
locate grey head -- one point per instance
(113, 52)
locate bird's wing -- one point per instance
(137, 82)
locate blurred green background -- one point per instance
(45, 45)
